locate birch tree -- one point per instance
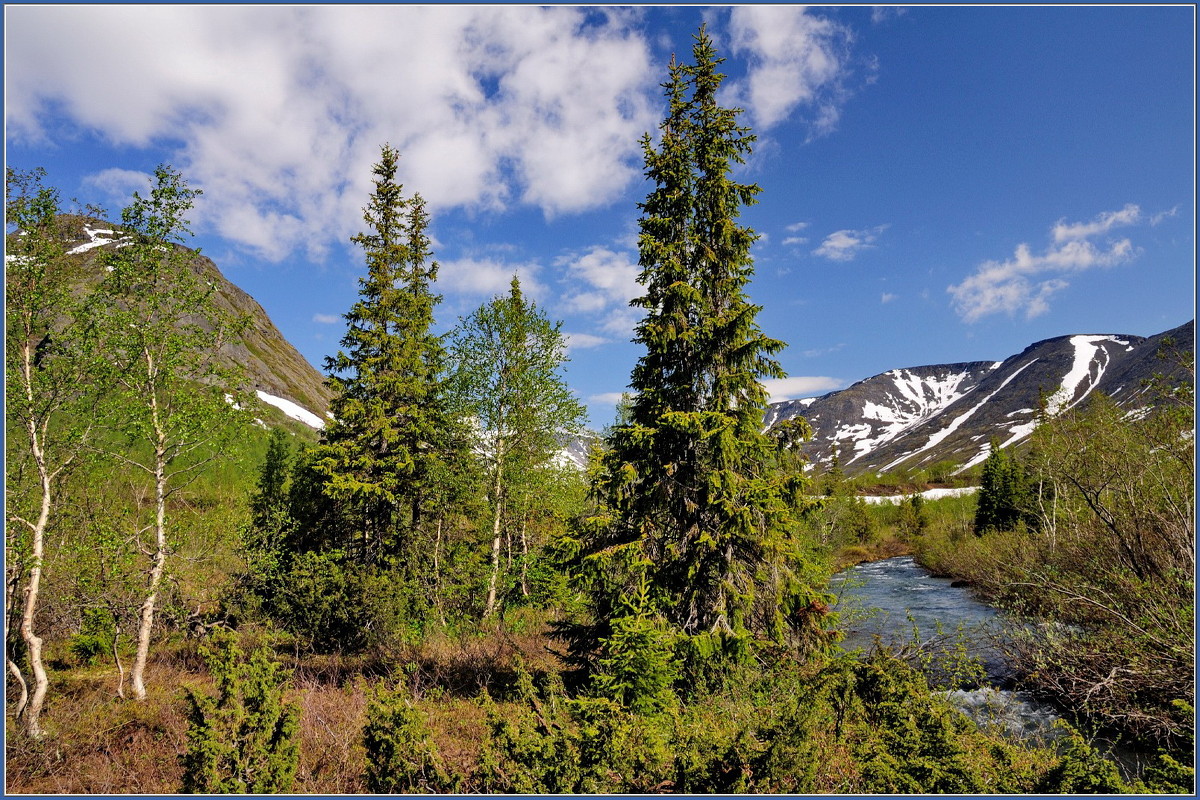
(49, 372)
(174, 397)
(508, 358)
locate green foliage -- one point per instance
(1165, 775)
(1107, 567)
(52, 386)
(912, 518)
(706, 503)
(173, 397)
(388, 453)
(1082, 770)
(244, 740)
(333, 604)
(401, 758)
(508, 379)
(637, 665)
(911, 741)
(268, 504)
(96, 637)
(553, 744)
(1003, 497)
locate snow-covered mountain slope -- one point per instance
(912, 418)
(866, 417)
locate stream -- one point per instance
(901, 603)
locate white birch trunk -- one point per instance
(137, 675)
(497, 490)
(32, 708)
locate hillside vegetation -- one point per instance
(420, 597)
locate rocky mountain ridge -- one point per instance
(914, 417)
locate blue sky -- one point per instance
(938, 184)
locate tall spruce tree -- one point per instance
(392, 439)
(692, 490)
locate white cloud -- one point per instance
(600, 283)
(881, 14)
(118, 185)
(487, 277)
(796, 227)
(795, 240)
(1103, 223)
(584, 341)
(326, 319)
(888, 297)
(278, 112)
(796, 58)
(1160, 216)
(781, 389)
(606, 398)
(844, 245)
(1025, 282)
(824, 351)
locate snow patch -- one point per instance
(929, 494)
(1081, 370)
(918, 399)
(97, 237)
(957, 422)
(292, 410)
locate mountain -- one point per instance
(280, 377)
(914, 417)
(903, 418)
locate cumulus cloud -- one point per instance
(1026, 281)
(278, 112)
(781, 389)
(796, 59)
(117, 185)
(844, 245)
(584, 341)
(796, 227)
(795, 241)
(606, 398)
(326, 319)
(600, 282)
(487, 277)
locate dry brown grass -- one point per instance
(331, 751)
(100, 744)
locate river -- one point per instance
(900, 602)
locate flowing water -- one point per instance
(901, 604)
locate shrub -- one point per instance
(332, 606)
(1082, 770)
(401, 758)
(243, 740)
